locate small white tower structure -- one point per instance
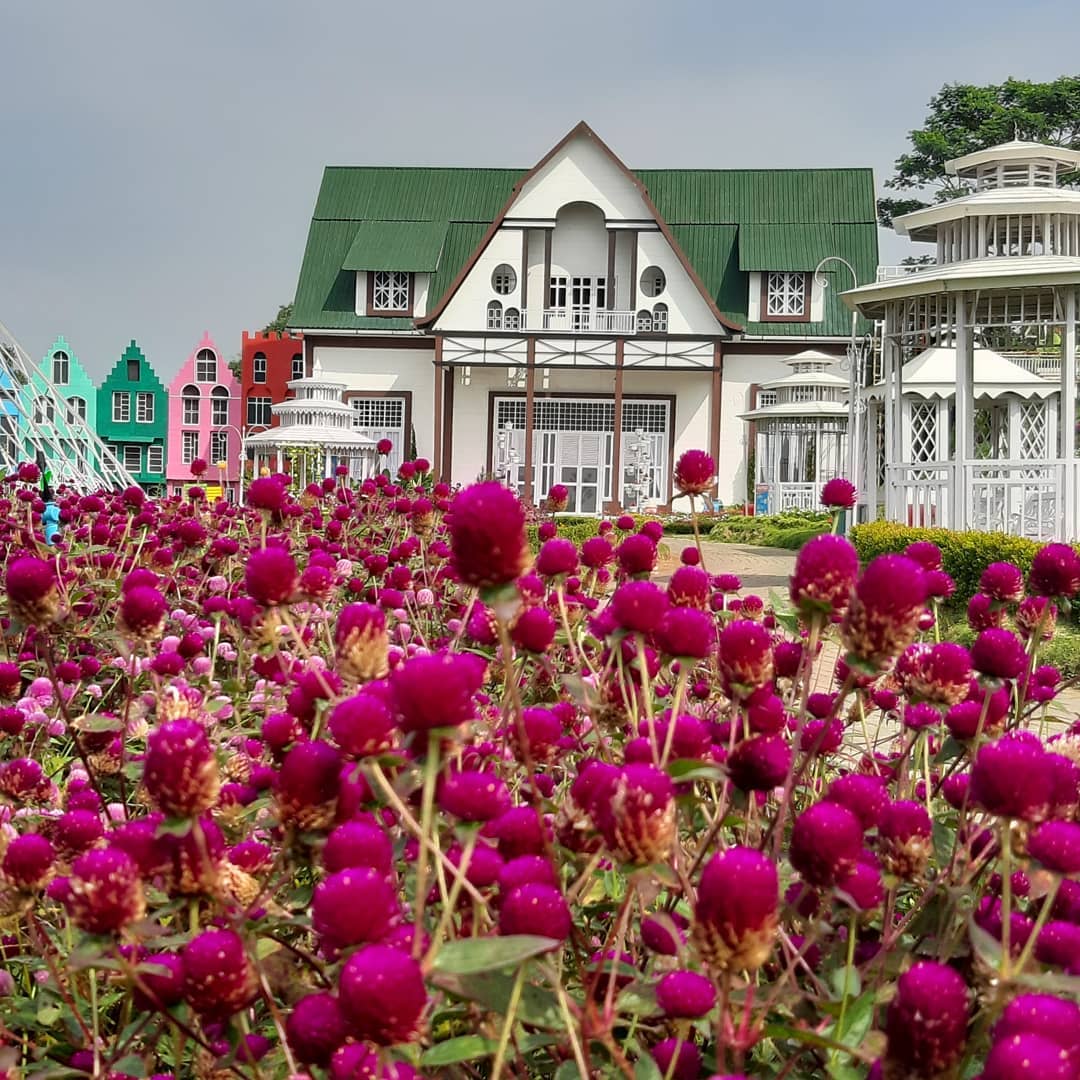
(315, 435)
(800, 424)
(1005, 287)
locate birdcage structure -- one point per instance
(49, 430)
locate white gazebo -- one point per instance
(800, 424)
(973, 421)
(316, 434)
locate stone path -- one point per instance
(763, 569)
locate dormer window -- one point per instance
(785, 296)
(390, 292)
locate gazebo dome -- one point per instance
(932, 373)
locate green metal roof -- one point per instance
(727, 221)
(396, 245)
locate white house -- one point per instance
(577, 323)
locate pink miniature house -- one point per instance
(204, 422)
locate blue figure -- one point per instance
(50, 516)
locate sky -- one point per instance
(161, 160)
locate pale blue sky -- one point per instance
(160, 161)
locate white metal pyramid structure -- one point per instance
(49, 431)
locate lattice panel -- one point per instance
(786, 294)
(1033, 430)
(924, 433)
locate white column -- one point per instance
(870, 460)
(889, 363)
(965, 400)
(1068, 414)
(328, 469)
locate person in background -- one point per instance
(50, 516)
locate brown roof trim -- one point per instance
(579, 129)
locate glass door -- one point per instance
(588, 295)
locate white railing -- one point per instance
(585, 321)
(1048, 365)
(891, 273)
(1023, 498)
(797, 496)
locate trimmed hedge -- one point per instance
(577, 529)
(964, 555)
(788, 530)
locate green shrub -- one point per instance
(576, 528)
(964, 555)
(790, 529)
(1062, 650)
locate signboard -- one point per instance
(761, 500)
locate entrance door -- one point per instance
(583, 459)
(587, 296)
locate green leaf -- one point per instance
(857, 1020)
(689, 769)
(538, 1007)
(854, 984)
(175, 826)
(638, 999)
(464, 1048)
(132, 1065)
(471, 956)
(47, 1015)
(647, 1069)
(986, 946)
(96, 724)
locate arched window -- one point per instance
(76, 409)
(205, 366)
(653, 281)
(494, 315)
(219, 406)
(297, 366)
(259, 367)
(61, 368)
(190, 397)
(43, 410)
(512, 319)
(644, 322)
(659, 318)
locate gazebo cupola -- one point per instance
(998, 310)
(800, 424)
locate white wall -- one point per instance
(387, 370)
(467, 309)
(580, 171)
(579, 244)
(740, 373)
(688, 313)
(361, 292)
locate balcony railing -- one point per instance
(891, 273)
(584, 321)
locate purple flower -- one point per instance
(1013, 778)
(745, 657)
(1026, 1054)
(381, 992)
(686, 995)
(639, 606)
(825, 843)
(998, 654)
(487, 535)
(735, 916)
(1056, 844)
(927, 1020)
(1055, 572)
(886, 605)
(825, 572)
(1002, 581)
(838, 494)
(759, 763)
(695, 472)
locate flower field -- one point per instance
(346, 782)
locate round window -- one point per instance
(504, 280)
(653, 281)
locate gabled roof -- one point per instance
(397, 245)
(933, 374)
(704, 212)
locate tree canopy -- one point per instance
(280, 320)
(964, 118)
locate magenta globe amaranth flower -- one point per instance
(677, 1059)
(998, 654)
(695, 472)
(360, 643)
(639, 606)
(487, 535)
(534, 630)
(1056, 844)
(1055, 572)
(1002, 581)
(838, 494)
(1051, 1017)
(28, 862)
(307, 785)
(883, 615)
(1013, 778)
(357, 843)
(745, 658)
(927, 1020)
(557, 557)
(142, 612)
(105, 892)
(905, 838)
(735, 915)
(637, 818)
(825, 572)
(180, 771)
(558, 498)
(825, 843)
(436, 690)
(1026, 1054)
(864, 795)
(939, 674)
(759, 763)
(363, 725)
(685, 995)
(270, 576)
(637, 555)
(33, 595)
(1036, 615)
(470, 795)
(266, 493)
(535, 908)
(316, 1028)
(686, 632)
(354, 906)
(219, 979)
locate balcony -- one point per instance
(583, 321)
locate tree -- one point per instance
(281, 320)
(965, 118)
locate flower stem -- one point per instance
(427, 805)
(508, 1024)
